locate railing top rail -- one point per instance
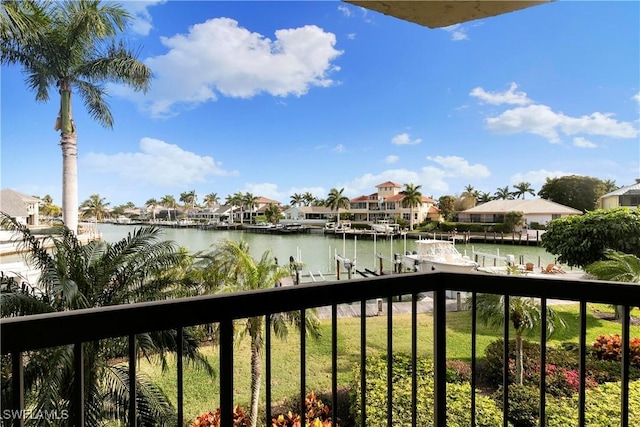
(62, 328)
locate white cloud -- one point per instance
(542, 120)
(458, 32)
(351, 36)
(583, 143)
(265, 189)
(218, 57)
(455, 166)
(636, 97)
(391, 159)
(157, 163)
(339, 148)
(345, 11)
(510, 96)
(142, 22)
(405, 139)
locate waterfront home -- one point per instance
(628, 196)
(21, 207)
(386, 204)
(319, 215)
(539, 211)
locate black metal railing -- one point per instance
(22, 334)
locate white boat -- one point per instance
(385, 228)
(438, 255)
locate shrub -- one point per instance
(609, 347)
(458, 396)
(491, 369)
(210, 419)
(458, 371)
(524, 405)
(317, 414)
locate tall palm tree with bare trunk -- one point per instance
(71, 49)
(336, 200)
(412, 198)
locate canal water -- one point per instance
(317, 251)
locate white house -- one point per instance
(308, 215)
(20, 206)
(540, 211)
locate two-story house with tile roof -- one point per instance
(386, 204)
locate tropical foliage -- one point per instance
(67, 46)
(579, 240)
(525, 315)
(141, 267)
(578, 192)
(95, 207)
(336, 201)
(412, 198)
(229, 268)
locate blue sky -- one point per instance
(277, 98)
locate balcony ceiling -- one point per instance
(436, 14)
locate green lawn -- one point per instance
(201, 391)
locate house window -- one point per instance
(555, 216)
(630, 200)
(498, 218)
(475, 218)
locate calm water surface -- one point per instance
(317, 251)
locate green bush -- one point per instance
(458, 396)
(524, 405)
(490, 371)
(602, 407)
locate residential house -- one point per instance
(308, 215)
(21, 207)
(387, 204)
(540, 211)
(214, 214)
(628, 196)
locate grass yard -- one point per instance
(201, 391)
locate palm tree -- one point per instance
(609, 185)
(250, 202)
(308, 198)
(95, 206)
(211, 199)
(189, 199)
(522, 189)
(230, 268)
(69, 55)
(297, 199)
(503, 193)
(272, 213)
(238, 200)
(484, 197)
(617, 267)
(140, 267)
(470, 196)
(21, 20)
(336, 200)
(152, 204)
(412, 198)
(525, 314)
(169, 202)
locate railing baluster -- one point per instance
(17, 384)
(226, 373)
(543, 362)
(389, 361)
(334, 363)
(414, 360)
(78, 366)
(132, 381)
(267, 363)
(626, 359)
(474, 329)
(303, 368)
(180, 374)
(582, 340)
(505, 363)
(363, 362)
(440, 357)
